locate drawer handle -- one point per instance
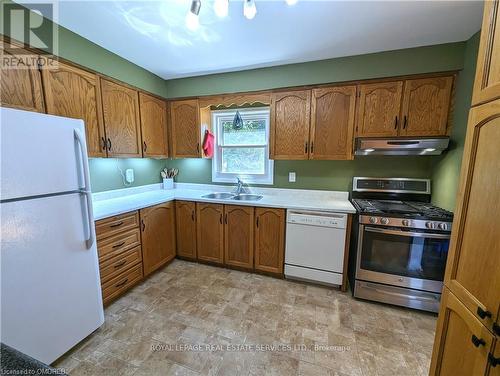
(493, 361)
(496, 329)
(477, 341)
(121, 283)
(120, 264)
(118, 245)
(482, 313)
(116, 224)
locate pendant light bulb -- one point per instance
(249, 9)
(291, 2)
(221, 8)
(192, 19)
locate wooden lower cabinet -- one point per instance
(158, 236)
(238, 236)
(210, 232)
(185, 215)
(269, 239)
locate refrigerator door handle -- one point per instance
(86, 189)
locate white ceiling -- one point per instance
(153, 34)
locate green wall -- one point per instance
(446, 167)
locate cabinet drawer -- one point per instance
(116, 245)
(114, 225)
(114, 266)
(121, 283)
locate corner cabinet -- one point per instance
(153, 112)
(269, 240)
(210, 232)
(75, 93)
(121, 119)
(185, 214)
(158, 236)
(238, 236)
(185, 123)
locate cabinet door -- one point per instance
(332, 122)
(379, 109)
(487, 81)
(75, 93)
(238, 236)
(185, 214)
(426, 106)
(121, 119)
(269, 239)
(290, 118)
(473, 267)
(21, 88)
(462, 343)
(153, 126)
(210, 232)
(184, 120)
(158, 236)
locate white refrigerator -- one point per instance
(50, 289)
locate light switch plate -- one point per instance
(292, 177)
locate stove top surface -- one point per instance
(402, 209)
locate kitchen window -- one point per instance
(242, 148)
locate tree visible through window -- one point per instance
(242, 151)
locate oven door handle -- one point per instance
(407, 233)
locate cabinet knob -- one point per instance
(305, 147)
(396, 123)
(143, 225)
(109, 144)
(482, 313)
(496, 329)
(144, 146)
(192, 215)
(103, 143)
(405, 122)
(493, 361)
(477, 341)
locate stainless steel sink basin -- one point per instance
(246, 197)
(219, 195)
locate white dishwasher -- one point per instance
(315, 246)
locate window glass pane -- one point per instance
(243, 160)
(253, 132)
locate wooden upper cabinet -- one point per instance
(158, 236)
(487, 81)
(269, 239)
(185, 214)
(464, 344)
(238, 236)
(426, 105)
(21, 88)
(121, 119)
(185, 123)
(153, 126)
(473, 268)
(75, 93)
(379, 109)
(210, 232)
(290, 118)
(332, 122)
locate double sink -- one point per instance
(232, 196)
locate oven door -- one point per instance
(403, 258)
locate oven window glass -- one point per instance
(410, 256)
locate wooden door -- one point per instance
(210, 232)
(75, 93)
(426, 106)
(185, 123)
(121, 120)
(379, 109)
(158, 236)
(473, 268)
(290, 118)
(238, 236)
(332, 122)
(20, 88)
(462, 343)
(269, 239)
(487, 82)
(185, 214)
(153, 126)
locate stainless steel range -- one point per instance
(400, 242)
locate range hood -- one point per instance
(401, 146)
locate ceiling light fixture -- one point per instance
(192, 21)
(292, 2)
(221, 8)
(249, 9)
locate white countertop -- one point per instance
(109, 203)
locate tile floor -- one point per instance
(193, 319)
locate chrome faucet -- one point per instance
(239, 187)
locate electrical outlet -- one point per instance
(129, 175)
(292, 177)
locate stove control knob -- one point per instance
(406, 222)
(384, 221)
(373, 219)
(443, 226)
(429, 225)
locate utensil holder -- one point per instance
(168, 183)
